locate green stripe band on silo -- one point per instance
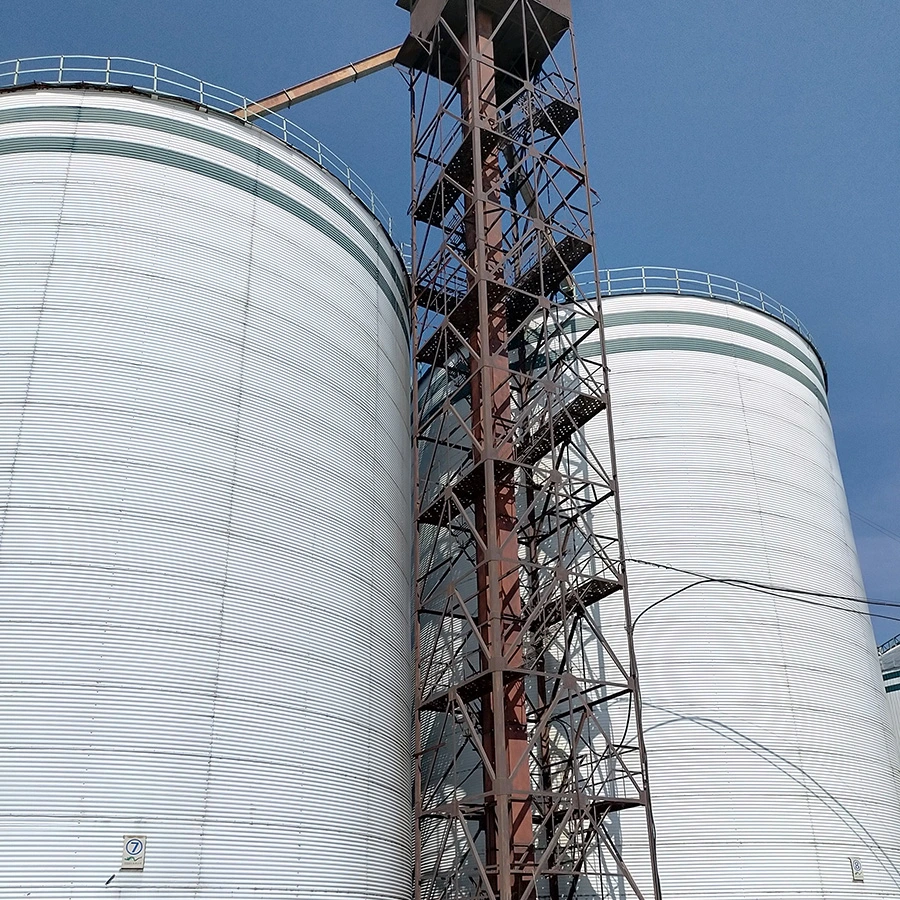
(248, 152)
(183, 161)
(704, 345)
(709, 320)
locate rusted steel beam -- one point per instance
(319, 85)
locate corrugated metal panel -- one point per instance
(204, 568)
(893, 698)
(770, 757)
(890, 668)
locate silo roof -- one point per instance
(154, 79)
(692, 283)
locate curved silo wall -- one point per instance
(769, 752)
(890, 673)
(205, 558)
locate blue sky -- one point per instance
(757, 139)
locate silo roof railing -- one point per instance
(889, 645)
(139, 74)
(662, 280)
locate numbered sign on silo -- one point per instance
(856, 869)
(134, 846)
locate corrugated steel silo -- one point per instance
(205, 558)
(764, 712)
(890, 672)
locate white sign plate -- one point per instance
(856, 868)
(134, 846)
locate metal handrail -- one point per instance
(120, 71)
(889, 645)
(664, 280)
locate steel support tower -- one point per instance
(531, 767)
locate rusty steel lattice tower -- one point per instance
(530, 752)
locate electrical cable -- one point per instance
(781, 593)
(667, 597)
(885, 531)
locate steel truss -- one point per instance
(530, 754)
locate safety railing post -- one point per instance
(635, 280)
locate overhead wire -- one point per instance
(800, 595)
(667, 597)
(885, 531)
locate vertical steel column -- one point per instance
(503, 709)
(530, 759)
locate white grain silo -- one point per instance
(890, 672)
(205, 453)
(770, 758)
